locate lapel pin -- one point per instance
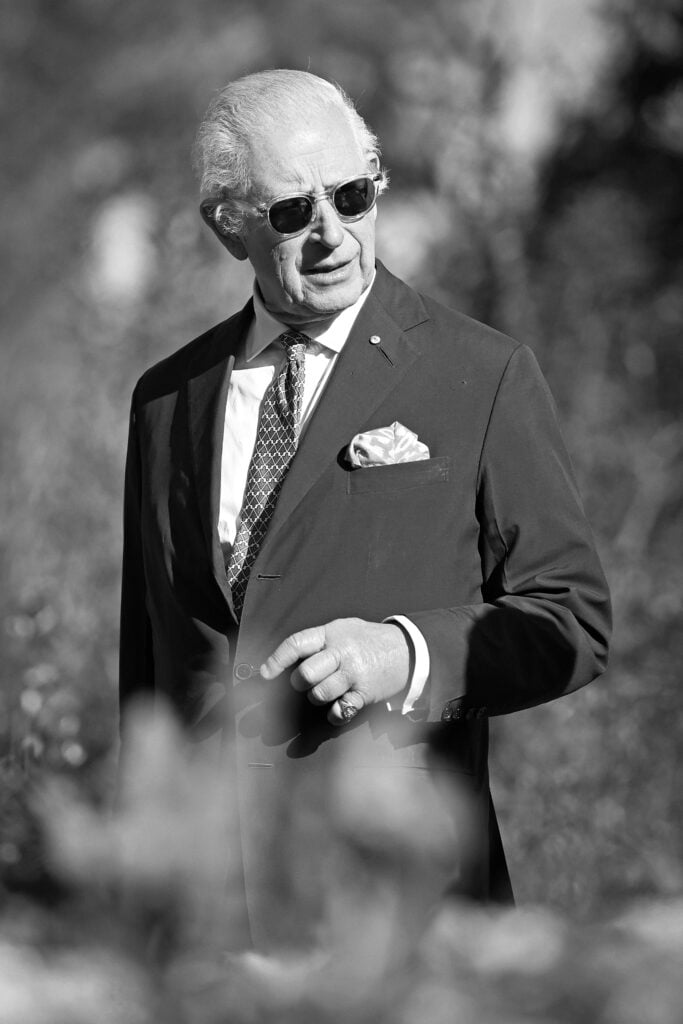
(375, 339)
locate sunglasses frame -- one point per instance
(378, 179)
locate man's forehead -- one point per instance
(297, 154)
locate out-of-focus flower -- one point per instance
(170, 845)
(78, 986)
(172, 824)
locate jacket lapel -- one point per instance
(364, 375)
(207, 392)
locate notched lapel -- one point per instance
(363, 377)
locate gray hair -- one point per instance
(258, 102)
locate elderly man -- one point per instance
(351, 526)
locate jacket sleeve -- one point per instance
(136, 663)
(542, 627)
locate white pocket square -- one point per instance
(386, 446)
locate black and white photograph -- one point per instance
(340, 519)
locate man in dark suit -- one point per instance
(351, 527)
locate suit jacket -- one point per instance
(484, 545)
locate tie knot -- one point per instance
(291, 339)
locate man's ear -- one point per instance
(232, 242)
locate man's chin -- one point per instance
(323, 303)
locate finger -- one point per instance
(345, 709)
(293, 649)
(330, 689)
(315, 669)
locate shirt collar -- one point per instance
(331, 334)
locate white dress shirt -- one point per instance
(253, 371)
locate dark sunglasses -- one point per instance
(352, 199)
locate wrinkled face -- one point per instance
(325, 268)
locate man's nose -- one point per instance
(327, 227)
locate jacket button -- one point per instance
(447, 713)
(245, 671)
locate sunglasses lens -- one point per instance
(354, 198)
(351, 200)
(290, 215)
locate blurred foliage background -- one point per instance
(536, 155)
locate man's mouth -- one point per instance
(327, 270)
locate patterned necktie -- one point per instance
(276, 443)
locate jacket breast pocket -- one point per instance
(400, 476)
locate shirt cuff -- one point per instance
(420, 673)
